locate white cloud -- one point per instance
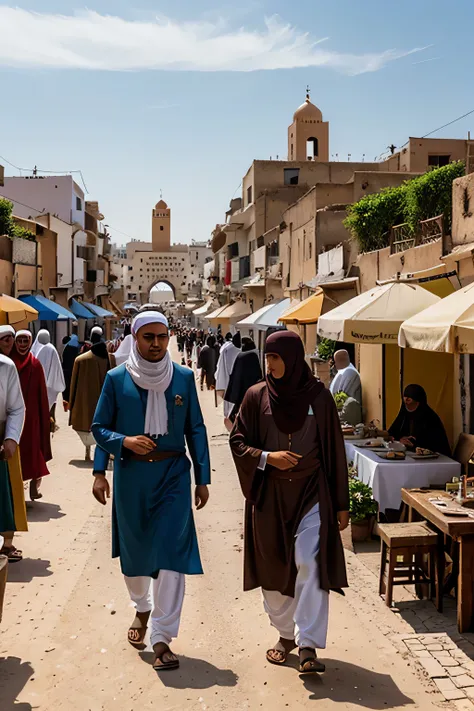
(88, 40)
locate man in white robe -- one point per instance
(227, 356)
(48, 356)
(347, 379)
(12, 416)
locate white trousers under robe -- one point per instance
(164, 598)
(303, 617)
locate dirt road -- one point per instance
(63, 638)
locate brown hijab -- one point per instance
(291, 395)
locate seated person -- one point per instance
(351, 412)
(417, 425)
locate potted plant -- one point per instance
(340, 399)
(363, 510)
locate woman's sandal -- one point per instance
(161, 665)
(138, 628)
(12, 553)
(279, 653)
(309, 663)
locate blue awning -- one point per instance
(47, 310)
(80, 311)
(98, 310)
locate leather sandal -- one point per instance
(309, 663)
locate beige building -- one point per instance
(148, 263)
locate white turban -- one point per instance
(153, 377)
(6, 331)
(98, 330)
(24, 332)
(147, 317)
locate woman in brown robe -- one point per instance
(289, 453)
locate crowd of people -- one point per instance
(142, 410)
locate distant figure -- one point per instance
(70, 353)
(207, 363)
(347, 379)
(87, 379)
(418, 425)
(35, 443)
(48, 356)
(246, 372)
(228, 354)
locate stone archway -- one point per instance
(172, 288)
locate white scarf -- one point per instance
(156, 378)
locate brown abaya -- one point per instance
(276, 501)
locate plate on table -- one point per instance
(384, 455)
(368, 445)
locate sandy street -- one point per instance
(63, 638)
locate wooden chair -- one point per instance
(464, 451)
(411, 542)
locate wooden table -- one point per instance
(460, 530)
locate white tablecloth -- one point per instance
(351, 445)
(387, 479)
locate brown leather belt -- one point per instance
(156, 455)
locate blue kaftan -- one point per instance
(152, 517)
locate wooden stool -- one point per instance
(411, 541)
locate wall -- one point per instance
(151, 267)
(463, 210)
(6, 276)
(25, 278)
(334, 194)
(63, 246)
(370, 368)
(55, 194)
(381, 265)
(421, 148)
(367, 182)
(47, 259)
(330, 230)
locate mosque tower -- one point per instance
(161, 227)
(308, 135)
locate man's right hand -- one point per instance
(101, 488)
(139, 444)
(283, 460)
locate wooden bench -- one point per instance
(411, 542)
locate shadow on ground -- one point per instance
(345, 683)
(81, 464)
(14, 675)
(27, 569)
(194, 674)
(42, 512)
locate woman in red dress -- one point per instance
(35, 443)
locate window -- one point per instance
(78, 203)
(130, 269)
(438, 161)
(310, 247)
(197, 256)
(291, 176)
(249, 195)
(161, 228)
(312, 148)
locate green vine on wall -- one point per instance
(7, 223)
(429, 195)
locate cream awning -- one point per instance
(237, 310)
(266, 317)
(376, 315)
(216, 313)
(447, 326)
(204, 308)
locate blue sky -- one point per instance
(143, 95)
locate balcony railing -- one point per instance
(402, 238)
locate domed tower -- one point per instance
(308, 135)
(161, 227)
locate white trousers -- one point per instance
(164, 597)
(303, 617)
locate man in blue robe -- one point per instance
(148, 411)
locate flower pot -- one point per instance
(362, 530)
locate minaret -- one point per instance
(161, 227)
(308, 135)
